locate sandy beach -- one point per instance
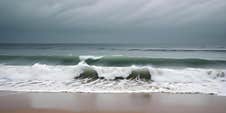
(33, 102)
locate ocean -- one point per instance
(113, 68)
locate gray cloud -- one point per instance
(111, 20)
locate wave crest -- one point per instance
(110, 61)
(59, 72)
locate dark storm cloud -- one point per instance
(113, 20)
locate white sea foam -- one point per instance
(112, 72)
(37, 71)
(83, 58)
(60, 72)
(41, 77)
(187, 75)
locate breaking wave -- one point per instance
(110, 61)
(60, 72)
(111, 74)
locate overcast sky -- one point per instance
(113, 21)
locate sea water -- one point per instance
(57, 67)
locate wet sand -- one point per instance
(24, 102)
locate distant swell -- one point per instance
(109, 61)
(171, 49)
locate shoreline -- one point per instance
(66, 102)
(117, 92)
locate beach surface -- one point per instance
(35, 102)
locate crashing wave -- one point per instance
(111, 61)
(43, 77)
(61, 72)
